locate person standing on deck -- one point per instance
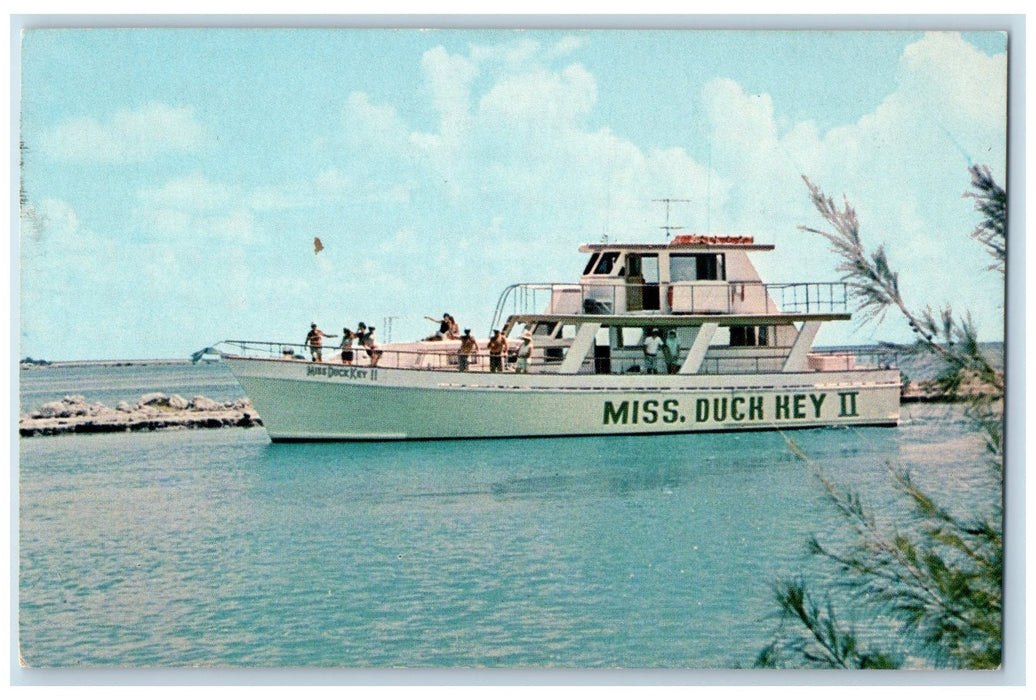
(524, 353)
(652, 344)
(468, 348)
(366, 337)
(497, 347)
(347, 346)
(314, 339)
(671, 350)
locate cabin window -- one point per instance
(750, 336)
(697, 266)
(631, 337)
(552, 355)
(590, 264)
(544, 328)
(645, 266)
(606, 263)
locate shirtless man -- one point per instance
(497, 347)
(314, 339)
(468, 349)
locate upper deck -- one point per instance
(691, 276)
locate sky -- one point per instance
(174, 179)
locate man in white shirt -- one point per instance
(652, 344)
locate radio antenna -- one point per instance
(388, 327)
(667, 228)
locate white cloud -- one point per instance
(368, 125)
(528, 174)
(193, 193)
(77, 285)
(520, 143)
(334, 182)
(236, 225)
(565, 46)
(540, 98)
(903, 167)
(527, 158)
(977, 89)
(130, 136)
(512, 55)
(448, 79)
(174, 225)
(268, 198)
(194, 208)
(739, 120)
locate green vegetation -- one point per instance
(934, 580)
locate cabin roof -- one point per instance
(677, 247)
(667, 320)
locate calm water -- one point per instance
(217, 548)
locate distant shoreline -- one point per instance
(105, 363)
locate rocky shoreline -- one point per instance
(155, 411)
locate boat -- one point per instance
(731, 353)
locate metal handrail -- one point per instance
(447, 359)
(866, 356)
(601, 297)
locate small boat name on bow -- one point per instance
(368, 373)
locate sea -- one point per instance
(218, 549)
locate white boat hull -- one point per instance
(301, 401)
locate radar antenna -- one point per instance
(667, 228)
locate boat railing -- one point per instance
(863, 356)
(448, 358)
(701, 297)
(809, 297)
(740, 365)
(444, 357)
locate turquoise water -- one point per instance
(218, 548)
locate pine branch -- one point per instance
(990, 201)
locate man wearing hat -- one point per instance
(524, 352)
(468, 348)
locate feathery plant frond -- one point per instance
(875, 285)
(939, 576)
(941, 579)
(827, 643)
(991, 201)
(871, 279)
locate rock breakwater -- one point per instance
(155, 411)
